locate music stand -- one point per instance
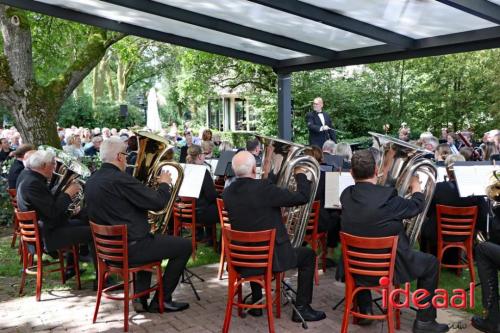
(224, 165)
(187, 274)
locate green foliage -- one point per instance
(237, 139)
(6, 210)
(79, 112)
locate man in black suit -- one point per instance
(113, 197)
(18, 165)
(319, 124)
(255, 205)
(371, 210)
(58, 229)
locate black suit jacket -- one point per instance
(376, 211)
(208, 194)
(113, 197)
(255, 205)
(33, 194)
(317, 137)
(446, 193)
(15, 169)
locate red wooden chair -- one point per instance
(373, 257)
(224, 222)
(453, 223)
(15, 222)
(185, 217)
(111, 248)
(32, 246)
(252, 250)
(315, 238)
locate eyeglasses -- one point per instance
(123, 153)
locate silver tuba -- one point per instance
(68, 169)
(280, 159)
(399, 162)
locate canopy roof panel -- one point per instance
(292, 35)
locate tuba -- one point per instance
(399, 162)
(68, 169)
(280, 159)
(151, 161)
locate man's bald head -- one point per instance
(243, 164)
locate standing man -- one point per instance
(320, 125)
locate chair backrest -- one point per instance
(368, 256)
(223, 215)
(219, 184)
(12, 195)
(249, 249)
(30, 232)
(456, 221)
(312, 224)
(111, 243)
(184, 209)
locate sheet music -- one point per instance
(473, 179)
(192, 181)
(335, 184)
(442, 176)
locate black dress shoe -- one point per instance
(71, 272)
(308, 313)
(171, 306)
(140, 305)
(429, 327)
(484, 325)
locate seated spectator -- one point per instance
(18, 165)
(344, 149)
(216, 140)
(488, 150)
(253, 147)
(207, 147)
(74, 146)
(467, 153)
(442, 151)
(189, 141)
(5, 150)
(329, 147)
(132, 147)
(225, 145)
(96, 144)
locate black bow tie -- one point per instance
(321, 112)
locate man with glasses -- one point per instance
(319, 125)
(113, 197)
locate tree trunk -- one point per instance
(111, 86)
(79, 91)
(122, 82)
(35, 107)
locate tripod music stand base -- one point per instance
(287, 292)
(187, 274)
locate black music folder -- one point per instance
(224, 166)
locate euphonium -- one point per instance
(68, 170)
(151, 160)
(493, 194)
(399, 162)
(280, 160)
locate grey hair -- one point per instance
(110, 148)
(40, 158)
(245, 168)
(344, 149)
(329, 146)
(451, 159)
(97, 138)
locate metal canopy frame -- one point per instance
(384, 44)
(394, 45)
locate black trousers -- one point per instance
(428, 280)
(156, 248)
(488, 263)
(305, 265)
(73, 232)
(329, 222)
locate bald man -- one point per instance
(255, 205)
(319, 125)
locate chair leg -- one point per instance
(61, 266)
(324, 251)
(159, 281)
(269, 306)
(390, 319)
(316, 278)
(347, 310)
(398, 319)
(193, 243)
(222, 260)
(471, 264)
(39, 278)
(23, 274)
(229, 305)
(240, 299)
(77, 266)
(100, 284)
(14, 234)
(214, 237)
(278, 295)
(126, 295)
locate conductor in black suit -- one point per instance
(319, 124)
(371, 210)
(255, 205)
